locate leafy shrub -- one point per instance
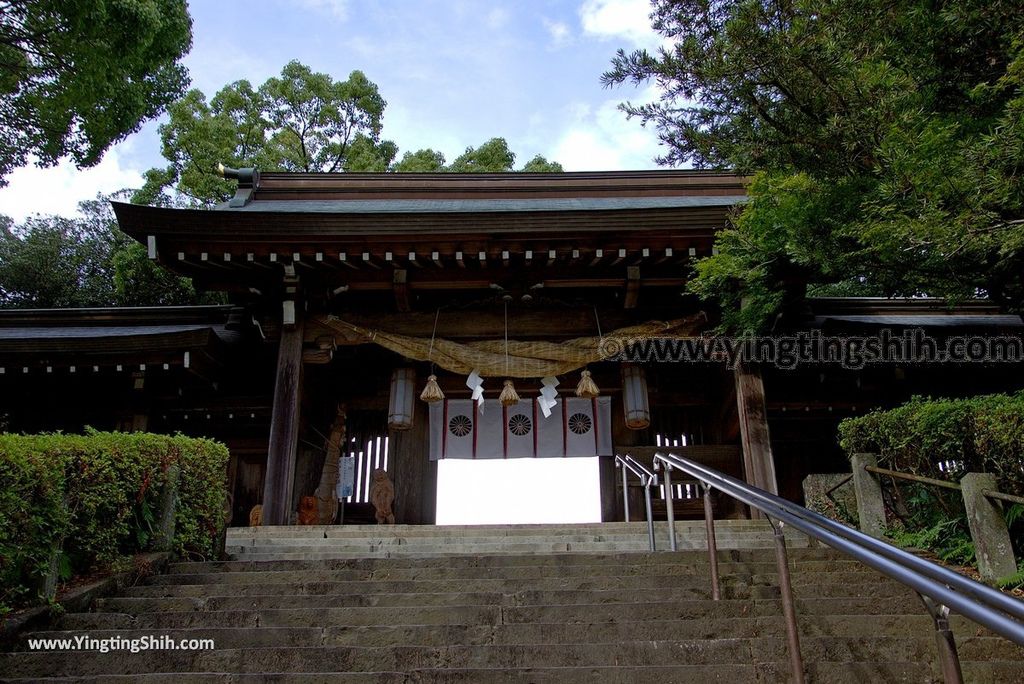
(95, 497)
(944, 439)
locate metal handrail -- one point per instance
(940, 589)
(648, 479)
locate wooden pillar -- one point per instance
(758, 465)
(409, 455)
(284, 428)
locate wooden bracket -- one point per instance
(632, 287)
(401, 288)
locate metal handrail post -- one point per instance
(650, 514)
(647, 480)
(796, 658)
(669, 511)
(949, 659)
(625, 491)
(709, 527)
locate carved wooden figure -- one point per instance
(382, 496)
(256, 516)
(308, 511)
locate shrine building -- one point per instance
(351, 293)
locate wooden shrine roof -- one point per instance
(188, 337)
(923, 312)
(445, 232)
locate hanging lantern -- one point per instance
(403, 392)
(587, 387)
(432, 392)
(508, 396)
(634, 397)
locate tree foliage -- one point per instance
(887, 139)
(83, 261)
(76, 77)
(300, 121)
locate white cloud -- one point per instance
(496, 18)
(602, 139)
(336, 8)
(621, 19)
(59, 189)
(558, 30)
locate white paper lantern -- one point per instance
(634, 397)
(403, 395)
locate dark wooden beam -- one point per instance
(284, 428)
(758, 463)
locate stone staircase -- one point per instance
(566, 604)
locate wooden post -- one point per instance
(410, 463)
(758, 465)
(284, 428)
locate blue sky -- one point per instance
(454, 73)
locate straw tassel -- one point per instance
(432, 392)
(587, 387)
(509, 396)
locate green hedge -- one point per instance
(944, 439)
(96, 497)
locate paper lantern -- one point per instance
(403, 395)
(634, 397)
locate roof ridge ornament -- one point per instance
(248, 180)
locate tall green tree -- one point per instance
(886, 139)
(76, 77)
(300, 121)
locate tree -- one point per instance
(84, 261)
(301, 121)
(52, 261)
(494, 156)
(421, 161)
(76, 77)
(887, 139)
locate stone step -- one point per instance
(846, 626)
(488, 614)
(636, 527)
(320, 658)
(769, 673)
(522, 633)
(806, 582)
(321, 553)
(608, 537)
(136, 605)
(362, 658)
(521, 597)
(308, 573)
(797, 557)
